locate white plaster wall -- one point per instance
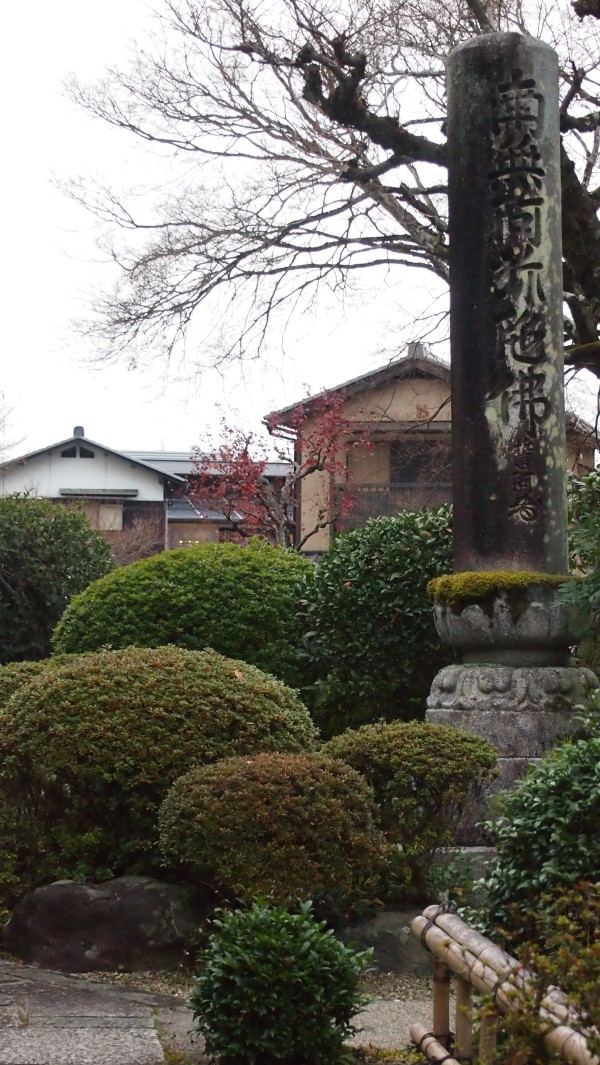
(45, 475)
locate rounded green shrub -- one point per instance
(240, 601)
(545, 832)
(423, 776)
(14, 675)
(276, 824)
(276, 987)
(89, 749)
(372, 638)
(48, 553)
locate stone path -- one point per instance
(49, 1018)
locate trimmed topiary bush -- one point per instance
(276, 987)
(15, 675)
(372, 638)
(278, 825)
(546, 832)
(423, 777)
(48, 553)
(89, 749)
(240, 601)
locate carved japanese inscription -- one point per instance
(506, 321)
(517, 199)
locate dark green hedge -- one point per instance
(372, 639)
(48, 553)
(241, 601)
(546, 832)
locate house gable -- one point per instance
(404, 408)
(80, 468)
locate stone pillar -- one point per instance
(508, 435)
(514, 686)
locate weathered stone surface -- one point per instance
(134, 922)
(79, 1046)
(395, 950)
(510, 732)
(478, 688)
(469, 832)
(515, 687)
(535, 623)
(508, 431)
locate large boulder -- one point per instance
(388, 935)
(133, 923)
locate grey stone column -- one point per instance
(515, 685)
(509, 460)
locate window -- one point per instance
(414, 461)
(75, 450)
(105, 516)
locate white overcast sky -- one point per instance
(50, 264)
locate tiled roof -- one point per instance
(182, 464)
(185, 510)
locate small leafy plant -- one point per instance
(276, 987)
(546, 831)
(559, 948)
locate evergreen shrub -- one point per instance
(276, 988)
(545, 831)
(423, 776)
(242, 602)
(277, 825)
(588, 653)
(14, 675)
(48, 553)
(372, 639)
(89, 748)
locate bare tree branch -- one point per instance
(294, 116)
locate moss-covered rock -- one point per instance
(458, 589)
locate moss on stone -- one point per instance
(473, 586)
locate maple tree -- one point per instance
(233, 478)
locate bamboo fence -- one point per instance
(481, 965)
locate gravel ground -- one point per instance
(388, 986)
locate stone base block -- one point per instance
(521, 710)
(514, 733)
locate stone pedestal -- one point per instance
(515, 686)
